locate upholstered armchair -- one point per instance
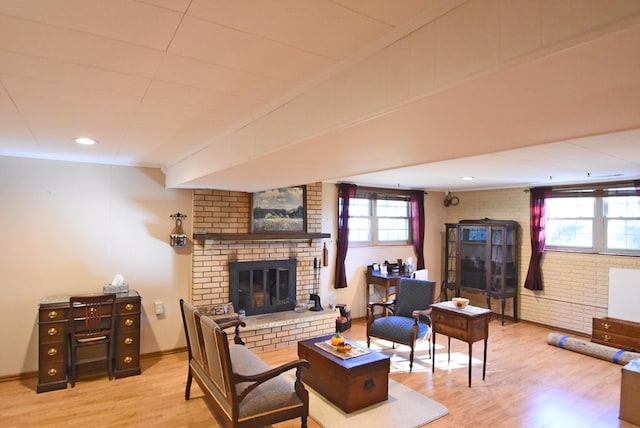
(406, 319)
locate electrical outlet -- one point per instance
(159, 308)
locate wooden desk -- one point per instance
(469, 325)
(389, 281)
(53, 319)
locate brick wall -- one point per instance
(274, 337)
(576, 284)
(218, 211)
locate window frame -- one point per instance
(600, 219)
(372, 195)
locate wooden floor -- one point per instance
(528, 384)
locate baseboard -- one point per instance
(31, 375)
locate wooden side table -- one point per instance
(469, 325)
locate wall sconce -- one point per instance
(178, 237)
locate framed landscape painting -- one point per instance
(279, 210)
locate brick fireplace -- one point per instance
(228, 213)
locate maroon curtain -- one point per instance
(417, 226)
(345, 193)
(537, 211)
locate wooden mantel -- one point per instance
(260, 236)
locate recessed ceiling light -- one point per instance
(85, 140)
(467, 178)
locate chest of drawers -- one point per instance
(616, 333)
(53, 318)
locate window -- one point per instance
(602, 220)
(379, 217)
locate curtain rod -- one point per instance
(384, 189)
(584, 186)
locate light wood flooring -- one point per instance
(528, 384)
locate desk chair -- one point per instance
(91, 323)
(406, 319)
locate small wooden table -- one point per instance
(350, 384)
(469, 325)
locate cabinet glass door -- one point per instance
(450, 266)
(511, 283)
(473, 254)
(497, 258)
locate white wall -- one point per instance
(354, 296)
(69, 228)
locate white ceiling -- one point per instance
(161, 82)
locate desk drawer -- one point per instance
(451, 320)
(52, 372)
(52, 332)
(53, 352)
(450, 331)
(129, 307)
(616, 333)
(129, 322)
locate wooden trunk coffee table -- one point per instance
(351, 384)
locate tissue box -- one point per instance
(108, 289)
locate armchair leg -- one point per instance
(411, 360)
(187, 391)
(303, 423)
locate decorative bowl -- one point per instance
(344, 347)
(460, 302)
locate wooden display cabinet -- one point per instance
(481, 256)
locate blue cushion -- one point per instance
(396, 329)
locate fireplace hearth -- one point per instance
(261, 287)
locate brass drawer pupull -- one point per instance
(52, 351)
(128, 306)
(52, 314)
(52, 372)
(128, 341)
(606, 338)
(128, 322)
(606, 325)
(52, 331)
(128, 360)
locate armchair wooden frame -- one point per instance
(244, 391)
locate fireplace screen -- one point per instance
(262, 287)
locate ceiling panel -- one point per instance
(71, 75)
(45, 41)
(220, 45)
(176, 5)
(125, 20)
(199, 74)
(392, 13)
(200, 98)
(321, 27)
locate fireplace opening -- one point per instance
(264, 286)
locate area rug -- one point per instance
(399, 356)
(405, 408)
